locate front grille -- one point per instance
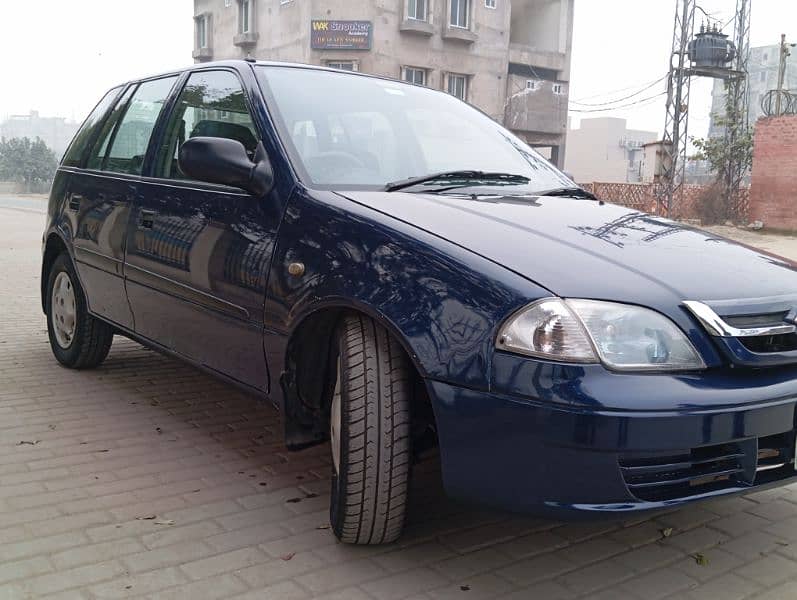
(763, 344)
(656, 477)
(775, 457)
(693, 472)
(763, 320)
(766, 338)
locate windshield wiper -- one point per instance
(573, 192)
(467, 177)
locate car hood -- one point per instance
(581, 248)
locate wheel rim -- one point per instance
(63, 310)
(335, 423)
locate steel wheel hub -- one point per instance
(63, 310)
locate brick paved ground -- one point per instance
(148, 478)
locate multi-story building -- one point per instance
(510, 58)
(604, 149)
(56, 132)
(762, 68)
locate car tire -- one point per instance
(371, 448)
(78, 340)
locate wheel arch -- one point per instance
(53, 247)
(306, 379)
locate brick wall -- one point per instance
(773, 189)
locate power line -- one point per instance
(649, 100)
(616, 100)
(617, 91)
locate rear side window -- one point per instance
(124, 143)
(77, 149)
(100, 148)
(212, 104)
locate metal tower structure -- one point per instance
(711, 62)
(736, 114)
(676, 123)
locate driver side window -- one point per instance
(212, 104)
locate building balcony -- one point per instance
(540, 110)
(202, 54)
(416, 27)
(459, 34)
(524, 54)
(246, 40)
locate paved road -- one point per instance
(33, 202)
(147, 478)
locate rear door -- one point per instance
(101, 193)
(198, 253)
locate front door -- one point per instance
(198, 254)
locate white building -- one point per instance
(763, 76)
(56, 132)
(605, 150)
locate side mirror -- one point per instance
(222, 160)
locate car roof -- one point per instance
(241, 63)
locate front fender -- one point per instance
(443, 302)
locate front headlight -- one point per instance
(621, 336)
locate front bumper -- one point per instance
(555, 456)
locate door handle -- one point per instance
(74, 202)
(147, 219)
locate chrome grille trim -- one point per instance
(717, 327)
(770, 467)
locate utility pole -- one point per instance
(784, 54)
(706, 54)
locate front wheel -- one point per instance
(78, 340)
(369, 433)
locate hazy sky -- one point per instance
(626, 44)
(59, 56)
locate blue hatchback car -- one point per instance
(392, 268)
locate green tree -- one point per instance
(28, 162)
(718, 151)
(718, 202)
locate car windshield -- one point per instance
(348, 131)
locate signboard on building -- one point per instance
(340, 35)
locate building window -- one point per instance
(531, 84)
(458, 85)
(416, 9)
(460, 13)
(201, 26)
(558, 88)
(489, 3)
(763, 76)
(343, 65)
(414, 75)
(244, 16)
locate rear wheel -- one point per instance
(78, 340)
(369, 434)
